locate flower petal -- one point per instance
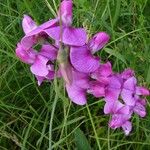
(28, 24)
(140, 109)
(103, 72)
(40, 79)
(142, 91)
(117, 121)
(65, 11)
(70, 36)
(39, 67)
(127, 127)
(114, 82)
(130, 84)
(113, 107)
(98, 41)
(49, 24)
(127, 97)
(74, 36)
(97, 89)
(27, 56)
(81, 79)
(48, 51)
(82, 59)
(127, 73)
(54, 32)
(112, 94)
(76, 94)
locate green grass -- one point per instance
(41, 118)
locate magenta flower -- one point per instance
(65, 12)
(64, 32)
(79, 67)
(35, 34)
(39, 61)
(82, 57)
(120, 116)
(139, 107)
(102, 78)
(130, 91)
(98, 41)
(78, 88)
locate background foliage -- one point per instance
(41, 118)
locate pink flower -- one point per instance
(98, 41)
(82, 57)
(64, 32)
(39, 61)
(130, 91)
(34, 34)
(120, 116)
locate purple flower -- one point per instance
(34, 34)
(65, 12)
(28, 24)
(130, 91)
(76, 82)
(78, 88)
(40, 63)
(64, 32)
(139, 107)
(98, 41)
(120, 115)
(102, 78)
(82, 57)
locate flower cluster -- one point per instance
(122, 95)
(79, 67)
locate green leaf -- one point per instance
(116, 54)
(148, 76)
(81, 140)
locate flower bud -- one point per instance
(65, 11)
(98, 41)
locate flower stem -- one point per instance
(93, 126)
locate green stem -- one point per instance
(93, 126)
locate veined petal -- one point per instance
(112, 94)
(103, 72)
(139, 109)
(130, 84)
(127, 127)
(125, 109)
(40, 79)
(28, 24)
(76, 94)
(97, 89)
(127, 97)
(70, 36)
(98, 41)
(82, 59)
(65, 11)
(81, 79)
(35, 35)
(49, 24)
(142, 91)
(114, 82)
(48, 51)
(113, 107)
(127, 73)
(117, 121)
(39, 66)
(55, 32)
(74, 36)
(27, 56)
